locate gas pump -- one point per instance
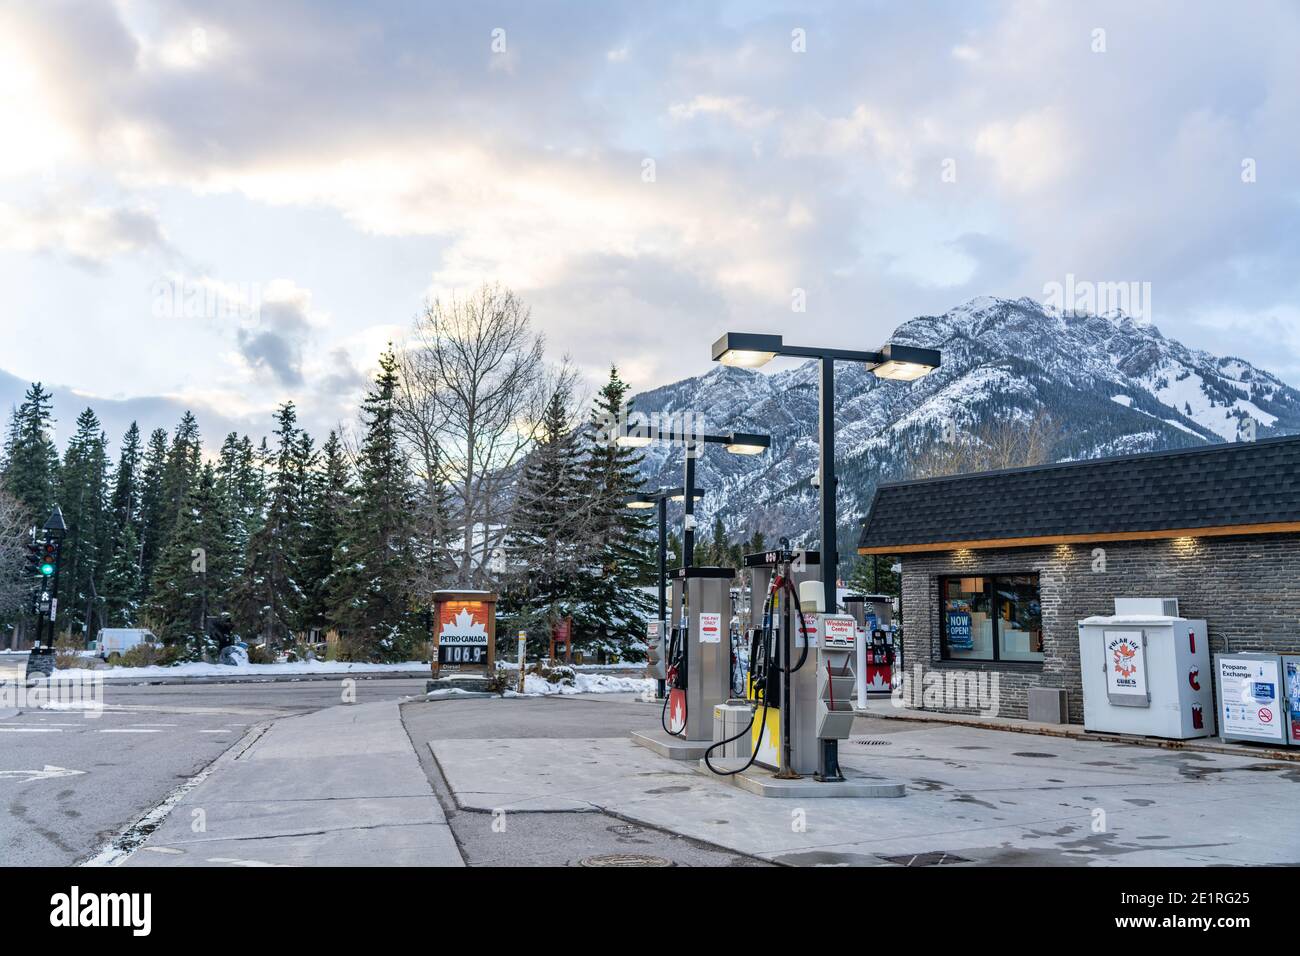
(698, 657)
(880, 663)
(878, 649)
(656, 648)
(782, 681)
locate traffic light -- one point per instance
(35, 557)
(49, 558)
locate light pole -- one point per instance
(737, 443)
(899, 362)
(659, 500)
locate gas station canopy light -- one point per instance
(639, 503)
(634, 436)
(746, 349)
(740, 443)
(906, 363)
(681, 496)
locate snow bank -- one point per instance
(299, 669)
(535, 686)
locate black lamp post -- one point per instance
(899, 362)
(738, 443)
(659, 500)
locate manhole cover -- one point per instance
(933, 858)
(872, 742)
(625, 859)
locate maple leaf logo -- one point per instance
(1125, 666)
(464, 623)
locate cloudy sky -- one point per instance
(222, 205)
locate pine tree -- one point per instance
(719, 547)
(87, 546)
(31, 460)
(547, 538)
(326, 510)
(272, 592)
(125, 504)
(122, 584)
(874, 574)
(181, 597)
(374, 558)
(614, 607)
(151, 503)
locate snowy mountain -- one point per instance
(1111, 384)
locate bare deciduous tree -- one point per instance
(473, 392)
(997, 444)
(14, 523)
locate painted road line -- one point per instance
(31, 730)
(130, 730)
(48, 773)
(120, 848)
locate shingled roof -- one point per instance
(1237, 488)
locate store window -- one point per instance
(991, 618)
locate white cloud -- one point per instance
(84, 235)
(820, 171)
(738, 109)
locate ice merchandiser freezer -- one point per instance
(1146, 671)
(1259, 697)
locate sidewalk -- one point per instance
(883, 707)
(338, 787)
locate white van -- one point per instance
(119, 640)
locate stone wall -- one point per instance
(1246, 588)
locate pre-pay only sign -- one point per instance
(710, 628)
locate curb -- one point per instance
(257, 679)
(1198, 745)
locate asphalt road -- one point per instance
(547, 839)
(114, 767)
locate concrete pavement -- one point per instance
(980, 796)
(148, 742)
(341, 786)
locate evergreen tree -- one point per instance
(87, 546)
(874, 574)
(125, 503)
(374, 557)
(272, 591)
(614, 607)
(181, 597)
(31, 460)
(719, 548)
(326, 511)
(122, 583)
(151, 503)
(547, 538)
